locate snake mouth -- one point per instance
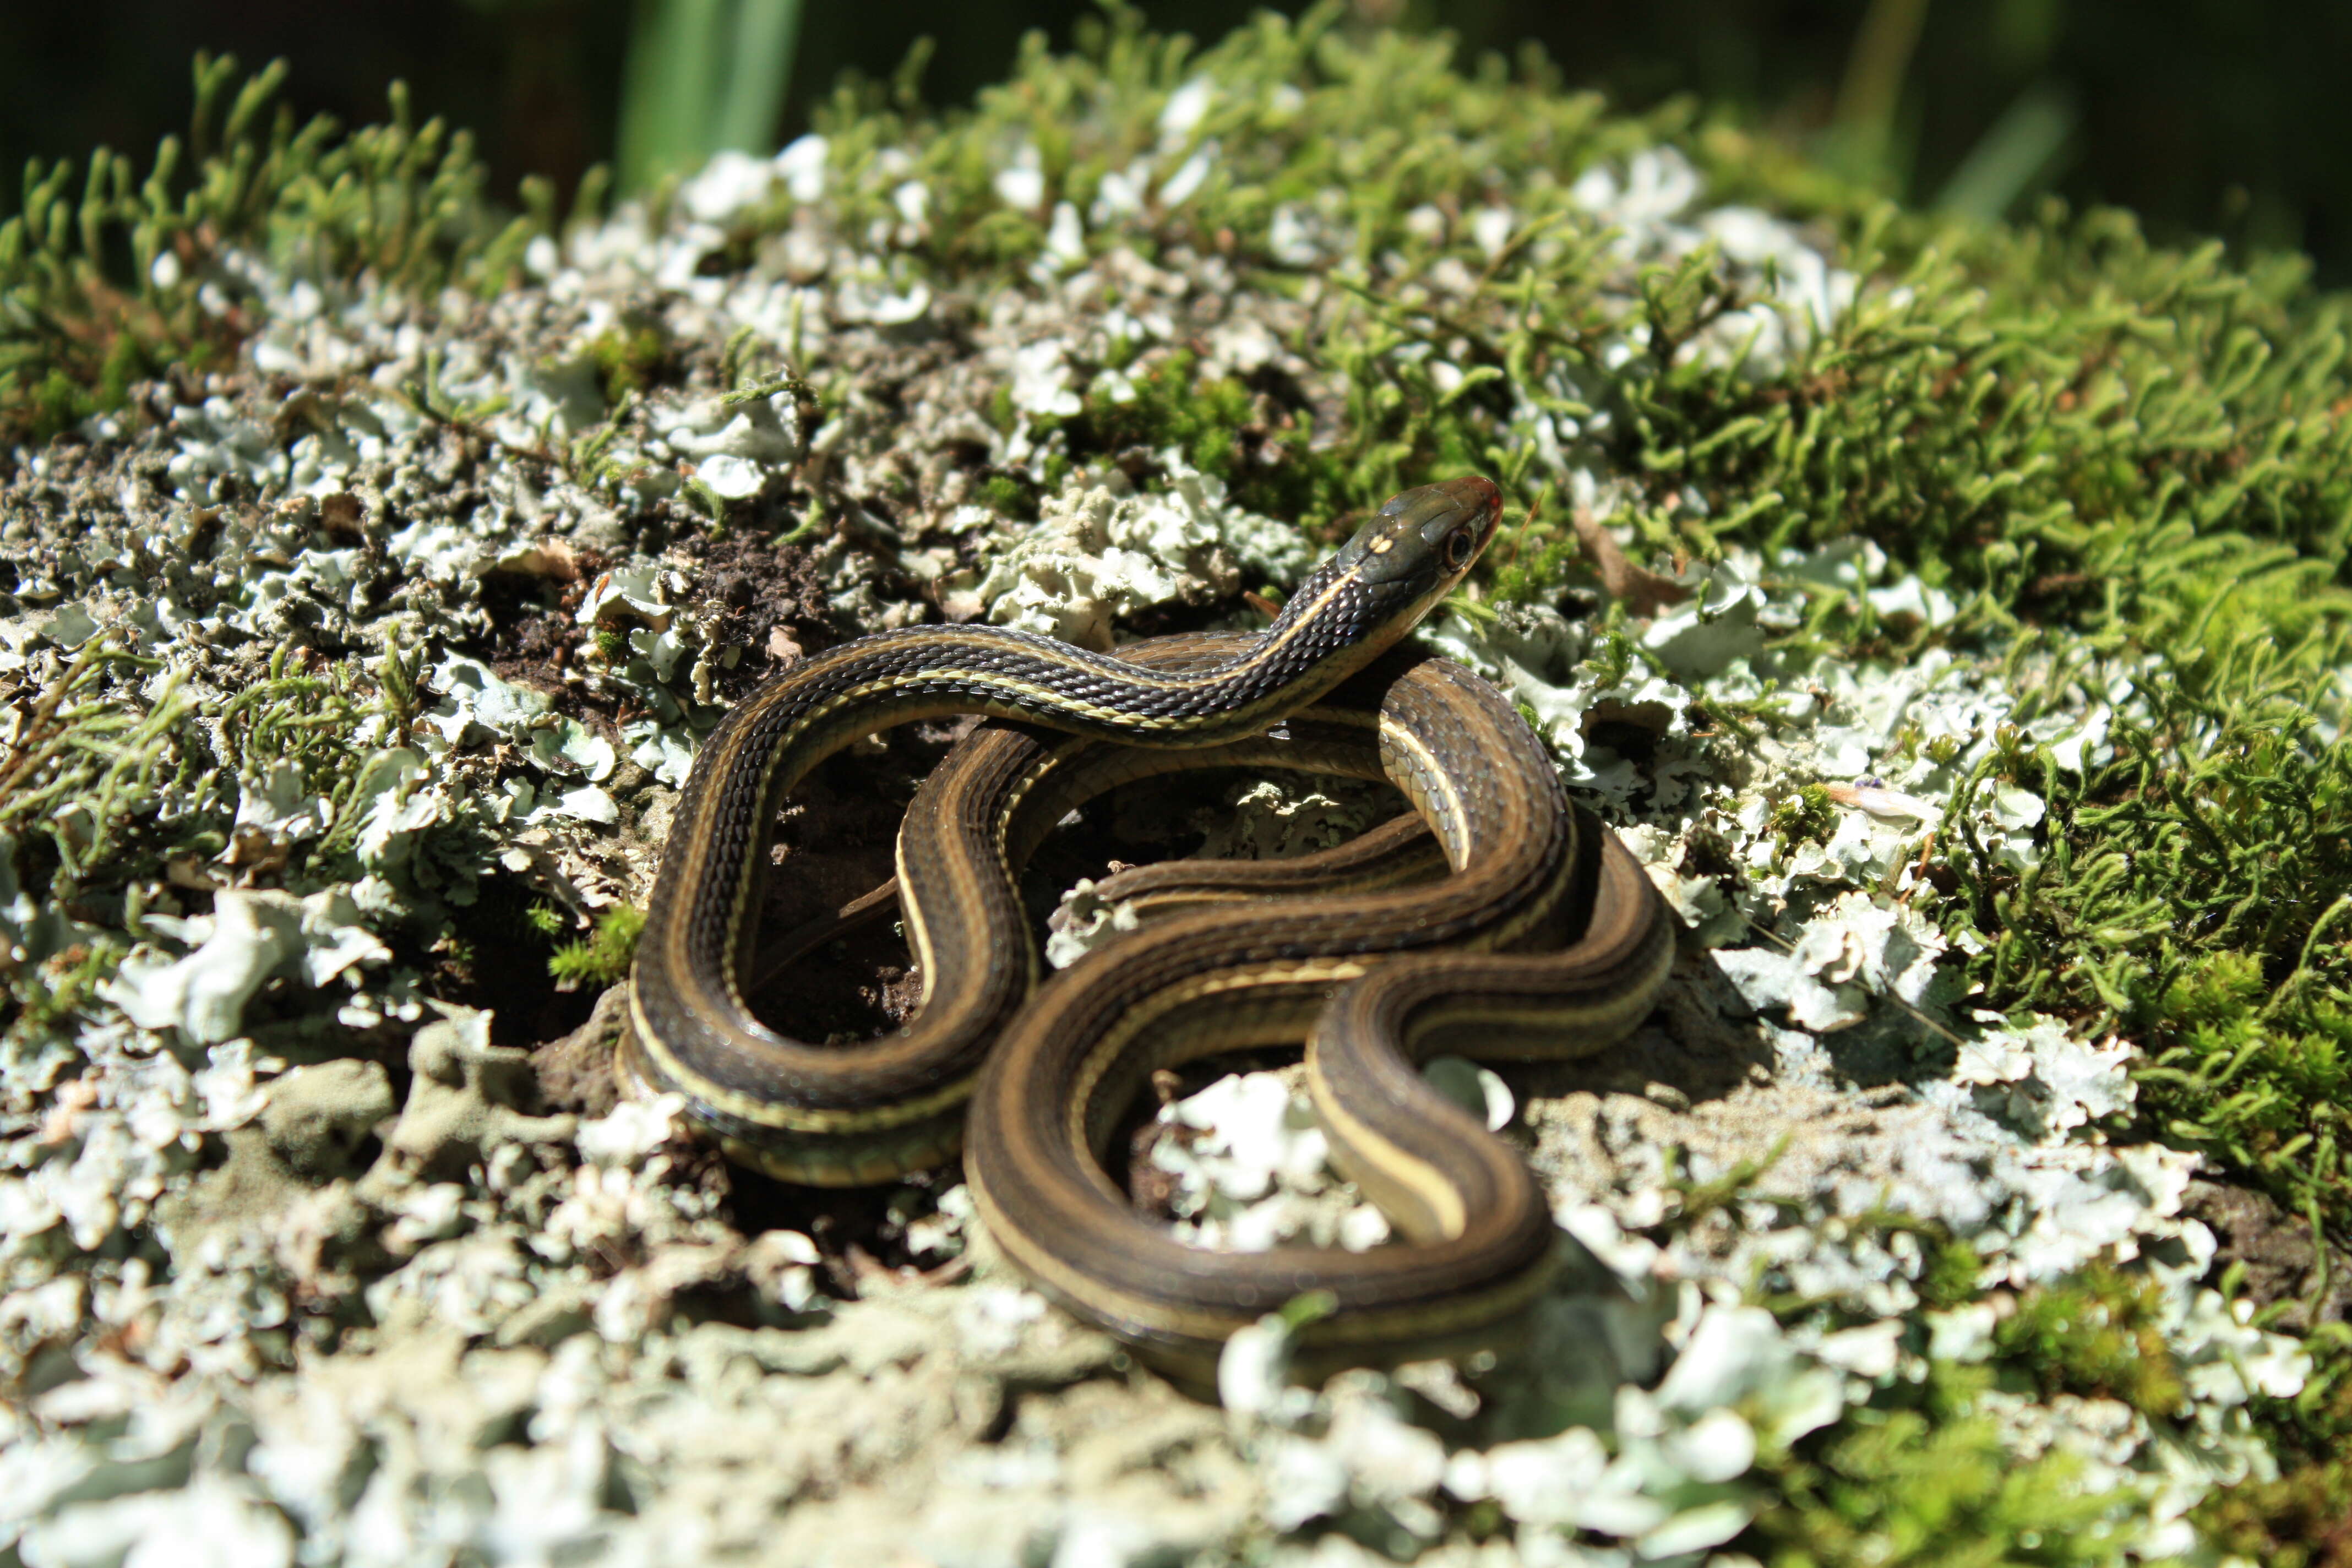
(1484, 495)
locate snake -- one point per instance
(1545, 940)
(812, 1114)
(1031, 1087)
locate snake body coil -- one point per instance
(1374, 982)
(1526, 871)
(838, 1117)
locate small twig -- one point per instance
(1526, 526)
(1642, 591)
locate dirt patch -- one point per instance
(2275, 1248)
(576, 1070)
(772, 606)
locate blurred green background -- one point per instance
(2207, 117)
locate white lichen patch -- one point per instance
(1099, 554)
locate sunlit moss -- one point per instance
(105, 272)
(1930, 1484)
(2098, 1333)
(1807, 815)
(631, 356)
(604, 956)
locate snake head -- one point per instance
(1407, 557)
(1416, 548)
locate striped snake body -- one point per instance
(856, 1115)
(1526, 871)
(1374, 982)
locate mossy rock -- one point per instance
(307, 424)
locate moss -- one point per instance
(1010, 496)
(2304, 1518)
(2255, 1073)
(1807, 817)
(1951, 1273)
(2097, 1333)
(401, 681)
(2102, 445)
(632, 356)
(2196, 895)
(1929, 1485)
(107, 283)
(81, 779)
(603, 959)
(107, 741)
(1170, 407)
(44, 996)
(2044, 401)
(1724, 1192)
(1249, 438)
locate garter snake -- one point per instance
(1527, 871)
(863, 1114)
(1546, 941)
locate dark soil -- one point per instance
(2275, 1247)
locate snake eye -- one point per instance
(1459, 547)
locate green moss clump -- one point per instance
(1246, 439)
(1807, 817)
(1951, 1273)
(45, 994)
(632, 356)
(2053, 414)
(1171, 407)
(1928, 1486)
(603, 959)
(109, 285)
(1009, 496)
(84, 768)
(2225, 1018)
(2197, 896)
(2099, 1333)
(2304, 1518)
